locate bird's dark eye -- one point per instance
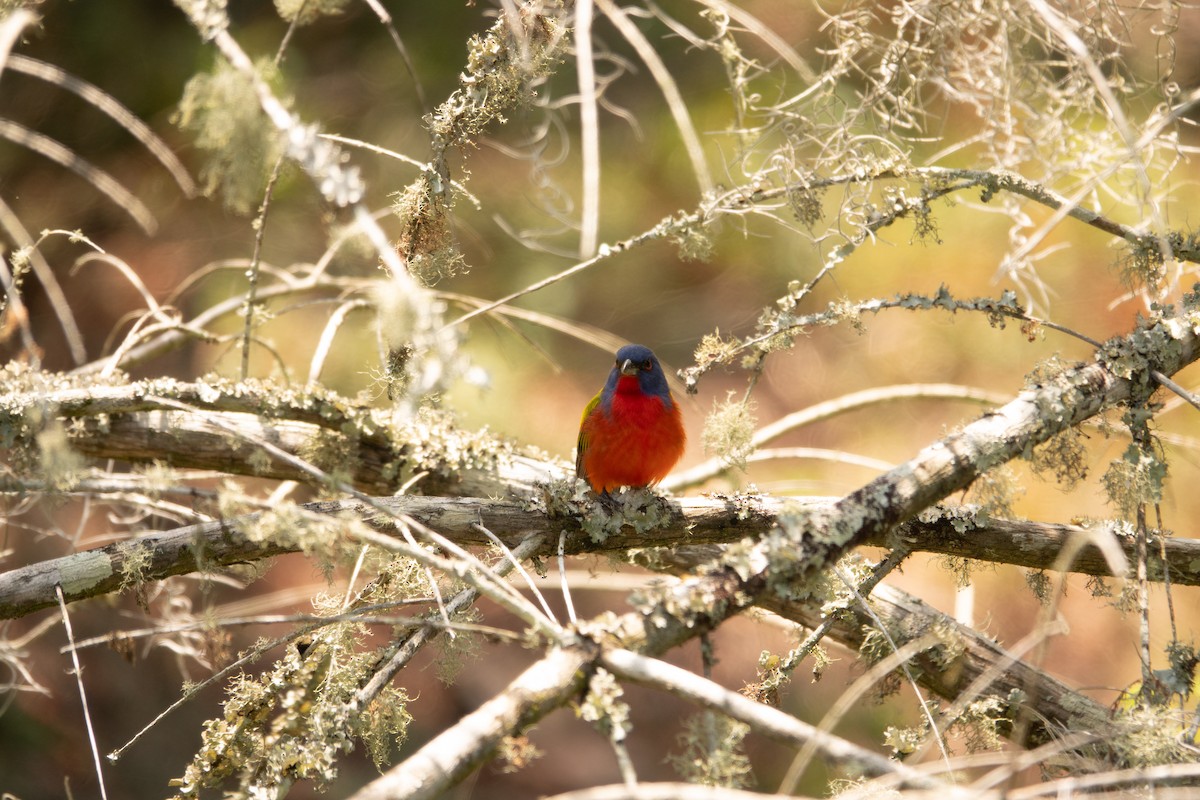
(646, 366)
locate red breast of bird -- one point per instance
(632, 432)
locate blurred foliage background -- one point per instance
(345, 72)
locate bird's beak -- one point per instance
(629, 368)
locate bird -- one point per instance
(631, 434)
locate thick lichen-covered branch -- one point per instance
(963, 661)
(695, 520)
(376, 450)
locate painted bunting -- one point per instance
(632, 432)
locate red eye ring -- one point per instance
(646, 366)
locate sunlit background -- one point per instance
(346, 73)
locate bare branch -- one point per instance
(697, 520)
(105, 183)
(458, 751)
(113, 108)
(764, 719)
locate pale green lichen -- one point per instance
(713, 752)
(1062, 457)
(960, 568)
(1183, 660)
(456, 653)
(715, 349)
(1146, 736)
(433, 443)
(59, 465)
(806, 203)
(516, 753)
(775, 671)
(400, 444)
(1134, 355)
(729, 431)
(1098, 587)
(603, 706)
(328, 540)
(963, 518)
(905, 741)
(83, 571)
(384, 726)
(335, 454)
(260, 462)
(1039, 583)
(693, 242)
(983, 723)
(994, 492)
(426, 240)
(1136, 479)
(853, 787)
(504, 68)
(638, 509)
(209, 16)
(306, 12)
(945, 646)
(295, 720)
(135, 561)
(222, 111)
(1126, 601)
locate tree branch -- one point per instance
(125, 422)
(950, 674)
(763, 719)
(694, 520)
(665, 790)
(458, 751)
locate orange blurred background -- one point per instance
(346, 74)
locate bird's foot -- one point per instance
(612, 503)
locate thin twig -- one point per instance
(194, 689)
(260, 226)
(1149, 689)
(831, 408)
(109, 105)
(516, 564)
(48, 280)
(1083, 784)
(403, 651)
(87, 715)
(105, 183)
(589, 128)
(1164, 381)
(562, 574)
(667, 85)
(796, 655)
(386, 19)
(325, 343)
(846, 700)
(764, 719)
(1166, 576)
(482, 577)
